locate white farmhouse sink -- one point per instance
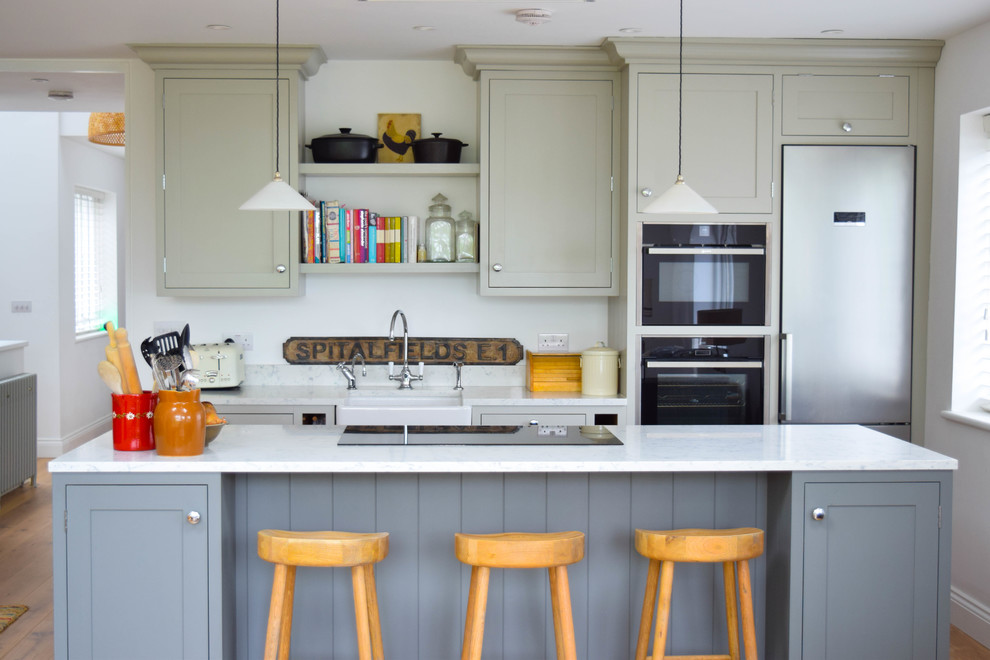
(407, 407)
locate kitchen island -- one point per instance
(157, 555)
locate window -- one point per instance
(971, 372)
(96, 259)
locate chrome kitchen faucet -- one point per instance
(405, 376)
(349, 371)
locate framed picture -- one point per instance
(397, 132)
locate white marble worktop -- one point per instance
(495, 395)
(313, 449)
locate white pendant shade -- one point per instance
(679, 198)
(277, 196)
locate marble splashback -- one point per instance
(434, 375)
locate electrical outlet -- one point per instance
(546, 429)
(552, 342)
(20, 306)
(245, 339)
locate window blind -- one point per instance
(95, 261)
(982, 221)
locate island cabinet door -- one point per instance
(137, 571)
(871, 567)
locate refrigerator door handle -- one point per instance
(786, 362)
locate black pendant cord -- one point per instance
(277, 148)
(680, 87)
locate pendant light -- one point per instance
(680, 198)
(106, 128)
(277, 195)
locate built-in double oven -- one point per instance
(713, 277)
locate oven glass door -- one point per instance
(704, 286)
(697, 392)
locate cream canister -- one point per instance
(600, 371)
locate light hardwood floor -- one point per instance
(26, 576)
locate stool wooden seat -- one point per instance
(360, 552)
(553, 551)
(733, 548)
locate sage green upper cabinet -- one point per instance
(727, 138)
(216, 147)
(845, 105)
(550, 156)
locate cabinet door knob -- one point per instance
(818, 513)
(280, 268)
(646, 192)
(193, 517)
(534, 422)
(847, 127)
(497, 268)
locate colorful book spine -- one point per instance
(373, 238)
(413, 233)
(382, 238)
(349, 235)
(331, 224)
(403, 237)
(308, 237)
(342, 238)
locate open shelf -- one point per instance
(389, 169)
(366, 269)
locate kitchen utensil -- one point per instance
(148, 351)
(167, 371)
(437, 150)
(344, 147)
(111, 376)
(189, 379)
(128, 368)
(113, 355)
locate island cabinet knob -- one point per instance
(646, 192)
(818, 513)
(193, 517)
(497, 268)
(534, 422)
(280, 268)
(847, 127)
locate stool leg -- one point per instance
(361, 612)
(563, 617)
(474, 626)
(377, 650)
(649, 607)
(663, 615)
(746, 600)
(280, 613)
(731, 615)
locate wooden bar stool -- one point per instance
(733, 548)
(290, 549)
(553, 551)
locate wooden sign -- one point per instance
(379, 350)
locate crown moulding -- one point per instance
(617, 52)
(307, 59)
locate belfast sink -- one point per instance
(407, 407)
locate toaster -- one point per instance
(220, 365)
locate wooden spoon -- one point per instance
(111, 376)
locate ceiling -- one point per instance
(385, 29)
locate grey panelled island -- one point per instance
(156, 557)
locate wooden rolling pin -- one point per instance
(128, 367)
(113, 356)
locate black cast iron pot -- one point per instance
(437, 150)
(344, 147)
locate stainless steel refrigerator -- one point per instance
(846, 286)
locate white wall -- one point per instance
(962, 85)
(36, 264)
(351, 94)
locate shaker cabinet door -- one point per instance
(550, 209)
(727, 154)
(218, 150)
(137, 572)
(871, 571)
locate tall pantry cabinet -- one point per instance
(216, 147)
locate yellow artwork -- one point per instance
(397, 132)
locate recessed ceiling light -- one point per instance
(217, 26)
(630, 30)
(39, 80)
(58, 95)
(424, 28)
(833, 31)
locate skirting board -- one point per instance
(970, 615)
(53, 447)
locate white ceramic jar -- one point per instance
(600, 371)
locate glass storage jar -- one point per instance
(466, 238)
(439, 232)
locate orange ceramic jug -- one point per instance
(180, 423)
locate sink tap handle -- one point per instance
(457, 369)
(421, 370)
(391, 365)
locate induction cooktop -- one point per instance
(477, 435)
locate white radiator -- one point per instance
(18, 431)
